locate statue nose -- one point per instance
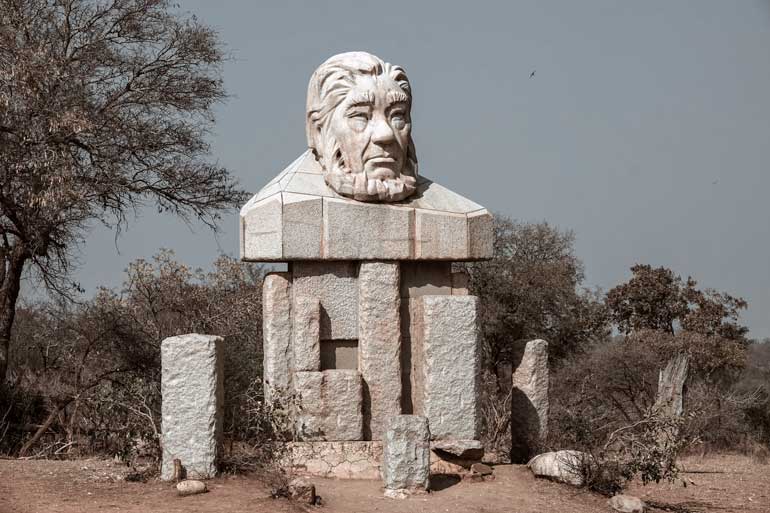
(382, 132)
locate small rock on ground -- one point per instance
(302, 490)
(626, 504)
(190, 487)
(481, 469)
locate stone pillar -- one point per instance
(307, 344)
(451, 366)
(529, 400)
(192, 391)
(406, 453)
(379, 339)
(276, 333)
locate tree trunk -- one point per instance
(671, 388)
(13, 266)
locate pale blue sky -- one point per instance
(646, 128)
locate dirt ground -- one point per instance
(723, 483)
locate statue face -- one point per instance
(359, 127)
(372, 127)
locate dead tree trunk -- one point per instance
(671, 389)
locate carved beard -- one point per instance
(359, 186)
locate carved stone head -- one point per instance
(359, 127)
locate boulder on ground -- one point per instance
(562, 466)
(302, 490)
(190, 487)
(626, 504)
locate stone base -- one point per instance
(341, 460)
(360, 460)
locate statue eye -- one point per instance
(398, 120)
(358, 119)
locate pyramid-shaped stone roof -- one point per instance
(298, 217)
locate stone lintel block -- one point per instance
(363, 231)
(481, 236)
(451, 366)
(307, 325)
(406, 453)
(276, 335)
(440, 235)
(379, 340)
(192, 389)
(262, 229)
(302, 216)
(297, 216)
(335, 284)
(329, 405)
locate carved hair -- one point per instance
(327, 89)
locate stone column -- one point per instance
(406, 453)
(192, 391)
(529, 401)
(276, 334)
(379, 340)
(451, 366)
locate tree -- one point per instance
(104, 108)
(657, 299)
(531, 289)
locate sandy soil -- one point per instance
(716, 483)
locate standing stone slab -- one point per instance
(406, 453)
(451, 366)
(192, 399)
(276, 333)
(529, 403)
(379, 355)
(329, 405)
(307, 323)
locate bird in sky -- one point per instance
(531, 75)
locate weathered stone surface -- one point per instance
(529, 405)
(464, 449)
(339, 354)
(329, 405)
(451, 366)
(262, 229)
(341, 460)
(626, 504)
(302, 220)
(426, 279)
(406, 453)
(192, 391)
(481, 235)
(276, 334)
(460, 283)
(563, 466)
(361, 231)
(307, 324)
(335, 284)
(379, 353)
(440, 235)
(190, 487)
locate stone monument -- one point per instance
(369, 321)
